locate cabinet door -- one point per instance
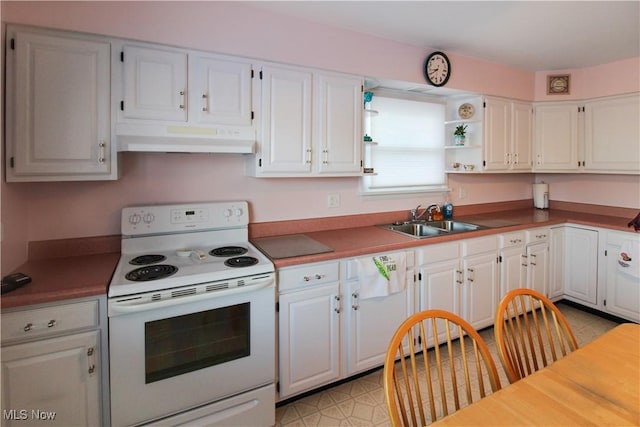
(440, 288)
(309, 339)
(581, 263)
(521, 136)
(370, 324)
(556, 267)
(480, 289)
(556, 137)
(623, 283)
(155, 84)
(58, 108)
(497, 134)
(339, 124)
(220, 92)
(538, 267)
(57, 380)
(612, 132)
(512, 269)
(286, 121)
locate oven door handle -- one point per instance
(139, 304)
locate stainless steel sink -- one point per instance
(424, 229)
(417, 230)
(452, 226)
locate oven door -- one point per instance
(173, 355)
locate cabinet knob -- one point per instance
(28, 327)
(51, 323)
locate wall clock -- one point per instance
(558, 84)
(437, 69)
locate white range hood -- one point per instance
(186, 139)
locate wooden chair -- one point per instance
(528, 340)
(443, 378)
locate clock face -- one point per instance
(437, 69)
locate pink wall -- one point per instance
(42, 211)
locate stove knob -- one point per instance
(134, 219)
(148, 218)
(237, 211)
(228, 213)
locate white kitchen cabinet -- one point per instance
(370, 323)
(612, 132)
(311, 124)
(309, 327)
(460, 277)
(622, 295)
(555, 289)
(155, 83)
(581, 265)
(326, 330)
(538, 260)
(513, 272)
(508, 133)
(58, 107)
(52, 364)
(172, 99)
(480, 281)
(556, 135)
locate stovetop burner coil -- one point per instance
(153, 272)
(147, 259)
(227, 251)
(241, 261)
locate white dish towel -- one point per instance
(382, 275)
(628, 258)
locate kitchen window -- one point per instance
(407, 147)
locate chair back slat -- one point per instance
(444, 375)
(531, 333)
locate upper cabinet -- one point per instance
(508, 133)
(556, 136)
(170, 99)
(58, 107)
(612, 134)
(599, 135)
(499, 135)
(310, 124)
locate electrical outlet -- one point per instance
(462, 193)
(333, 200)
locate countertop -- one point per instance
(88, 272)
(355, 241)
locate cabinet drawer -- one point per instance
(46, 321)
(509, 240)
(307, 275)
(349, 268)
(438, 252)
(479, 245)
(538, 235)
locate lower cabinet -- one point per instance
(460, 277)
(581, 265)
(52, 366)
(622, 295)
(326, 330)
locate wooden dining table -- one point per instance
(596, 385)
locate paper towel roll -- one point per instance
(541, 195)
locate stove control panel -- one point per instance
(158, 219)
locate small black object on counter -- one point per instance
(14, 281)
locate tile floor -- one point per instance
(361, 402)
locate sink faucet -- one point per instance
(414, 213)
(429, 211)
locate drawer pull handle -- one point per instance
(51, 323)
(355, 304)
(92, 369)
(28, 327)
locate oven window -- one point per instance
(194, 341)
